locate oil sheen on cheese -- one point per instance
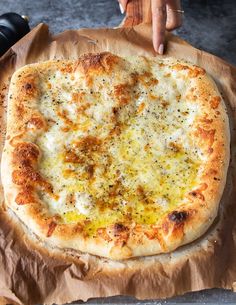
(119, 149)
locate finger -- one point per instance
(123, 4)
(174, 19)
(158, 24)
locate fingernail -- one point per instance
(121, 8)
(161, 49)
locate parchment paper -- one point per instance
(30, 275)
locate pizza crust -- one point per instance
(21, 157)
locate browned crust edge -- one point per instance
(177, 228)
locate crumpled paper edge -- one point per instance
(208, 262)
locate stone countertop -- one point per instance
(209, 25)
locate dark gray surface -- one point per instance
(208, 24)
(210, 296)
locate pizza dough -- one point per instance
(117, 157)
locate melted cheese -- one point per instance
(83, 203)
(107, 160)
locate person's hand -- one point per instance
(166, 15)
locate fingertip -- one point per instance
(161, 49)
(159, 16)
(158, 47)
(155, 46)
(158, 43)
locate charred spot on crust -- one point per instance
(29, 89)
(178, 216)
(28, 86)
(197, 194)
(119, 228)
(51, 228)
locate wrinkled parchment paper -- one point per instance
(30, 275)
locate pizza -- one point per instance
(115, 156)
